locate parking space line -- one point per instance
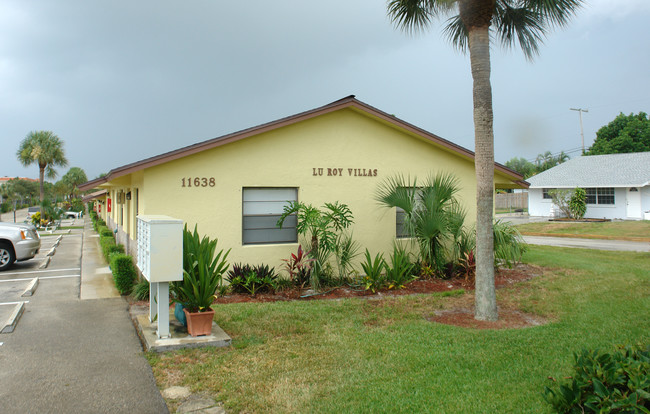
(41, 271)
(13, 303)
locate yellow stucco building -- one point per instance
(234, 186)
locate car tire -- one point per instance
(7, 256)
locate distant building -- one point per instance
(617, 186)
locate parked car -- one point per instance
(72, 214)
(33, 210)
(18, 242)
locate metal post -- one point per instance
(163, 309)
(153, 299)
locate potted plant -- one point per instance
(202, 275)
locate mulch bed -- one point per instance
(504, 277)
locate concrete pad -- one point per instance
(200, 404)
(176, 393)
(180, 339)
(13, 319)
(96, 277)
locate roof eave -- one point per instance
(349, 101)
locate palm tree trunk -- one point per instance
(485, 295)
(41, 179)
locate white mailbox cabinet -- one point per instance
(160, 248)
(160, 259)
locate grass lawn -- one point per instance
(358, 355)
(623, 230)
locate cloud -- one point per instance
(615, 10)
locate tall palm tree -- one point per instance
(525, 22)
(45, 149)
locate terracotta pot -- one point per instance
(199, 323)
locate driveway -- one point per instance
(616, 245)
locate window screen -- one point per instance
(262, 207)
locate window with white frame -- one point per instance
(600, 196)
(261, 209)
(545, 194)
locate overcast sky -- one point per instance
(119, 81)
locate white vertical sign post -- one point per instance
(160, 259)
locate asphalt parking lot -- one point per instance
(61, 269)
(67, 354)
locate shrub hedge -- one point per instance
(124, 272)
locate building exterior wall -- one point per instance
(538, 206)
(645, 202)
(296, 156)
(339, 156)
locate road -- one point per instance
(616, 245)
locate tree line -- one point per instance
(625, 134)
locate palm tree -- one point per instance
(45, 149)
(73, 179)
(511, 21)
(432, 216)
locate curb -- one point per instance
(31, 288)
(13, 319)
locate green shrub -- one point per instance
(244, 278)
(509, 246)
(105, 231)
(107, 244)
(203, 270)
(124, 272)
(140, 290)
(375, 278)
(114, 249)
(400, 270)
(605, 382)
(578, 203)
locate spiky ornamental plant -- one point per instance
(471, 26)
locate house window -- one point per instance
(400, 226)
(262, 207)
(545, 194)
(600, 196)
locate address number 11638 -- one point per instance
(198, 182)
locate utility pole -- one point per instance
(582, 133)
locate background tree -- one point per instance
(470, 26)
(45, 149)
(624, 134)
(73, 179)
(522, 166)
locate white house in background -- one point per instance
(617, 186)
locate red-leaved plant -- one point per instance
(299, 267)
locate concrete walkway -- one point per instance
(70, 355)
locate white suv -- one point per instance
(17, 242)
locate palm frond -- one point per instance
(456, 32)
(416, 15)
(397, 191)
(556, 12)
(521, 25)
